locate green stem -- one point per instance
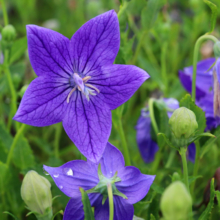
(185, 169)
(57, 139)
(111, 202)
(13, 92)
(17, 136)
(124, 143)
(157, 160)
(122, 9)
(5, 15)
(195, 59)
(196, 166)
(170, 159)
(163, 67)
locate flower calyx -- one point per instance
(101, 187)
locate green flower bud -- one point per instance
(176, 202)
(216, 49)
(8, 33)
(183, 123)
(35, 191)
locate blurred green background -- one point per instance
(160, 41)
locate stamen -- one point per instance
(93, 87)
(85, 79)
(71, 92)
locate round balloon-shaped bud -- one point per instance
(183, 123)
(36, 193)
(176, 202)
(8, 33)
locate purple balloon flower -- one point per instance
(128, 183)
(204, 89)
(77, 82)
(147, 146)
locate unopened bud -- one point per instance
(216, 49)
(176, 202)
(35, 191)
(8, 33)
(183, 123)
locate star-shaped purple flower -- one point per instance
(204, 88)
(147, 146)
(77, 82)
(126, 182)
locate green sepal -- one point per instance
(214, 10)
(168, 142)
(46, 216)
(60, 212)
(55, 197)
(152, 217)
(88, 213)
(6, 212)
(206, 214)
(217, 193)
(201, 135)
(104, 199)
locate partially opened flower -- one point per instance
(147, 146)
(128, 184)
(77, 82)
(204, 89)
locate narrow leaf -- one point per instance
(214, 10)
(206, 214)
(11, 215)
(89, 215)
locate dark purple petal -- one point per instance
(88, 124)
(112, 160)
(44, 102)
(74, 209)
(134, 184)
(96, 43)
(147, 146)
(117, 83)
(49, 52)
(203, 77)
(74, 174)
(122, 210)
(217, 68)
(191, 152)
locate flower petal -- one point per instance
(74, 209)
(96, 43)
(191, 152)
(49, 52)
(88, 124)
(204, 77)
(117, 83)
(134, 184)
(111, 161)
(44, 102)
(147, 146)
(74, 174)
(122, 210)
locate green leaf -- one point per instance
(3, 177)
(149, 13)
(89, 215)
(167, 141)
(206, 214)
(192, 179)
(23, 156)
(18, 49)
(200, 114)
(152, 217)
(218, 198)
(208, 144)
(11, 215)
(157, 188)
(214, 10)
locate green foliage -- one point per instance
(200, 114)
(18, 49)
(206, 214)
(89, 215)
(214, 10)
